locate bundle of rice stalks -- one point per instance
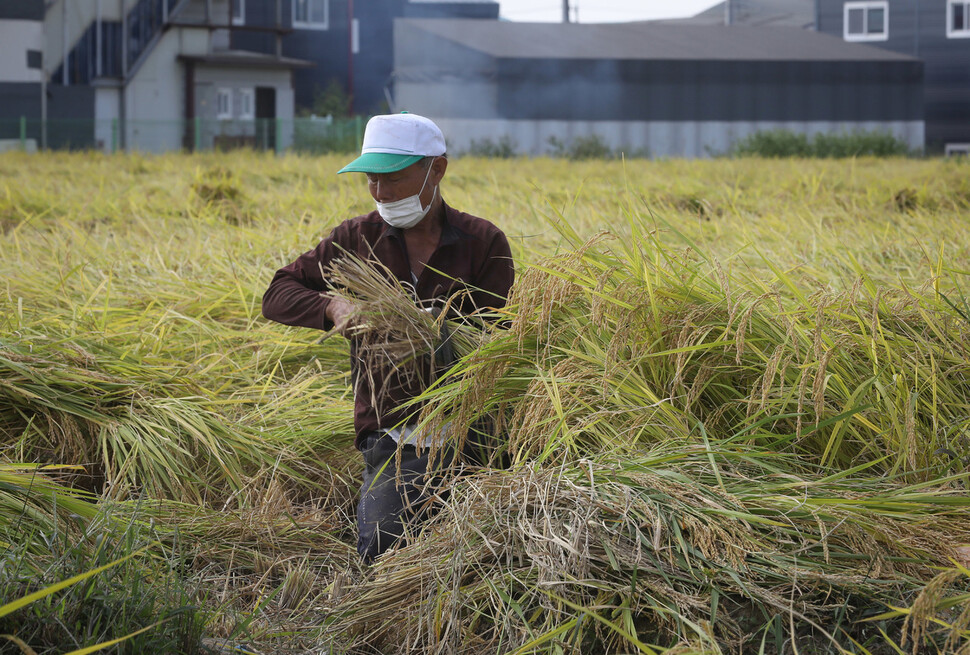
(219, 192)
(34, 507)
(129, 435)
(940, 614)
(305, 423)
(622, 344)
(705, 460)
(278, 553)
(662, 551)
(392, 330)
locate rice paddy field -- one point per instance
(734, 398)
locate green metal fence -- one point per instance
(309, 135)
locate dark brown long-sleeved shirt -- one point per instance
(474, 260)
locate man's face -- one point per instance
(391, 187)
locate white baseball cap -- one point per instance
(395, 141)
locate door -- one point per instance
(266, 118)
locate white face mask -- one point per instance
(408, 212)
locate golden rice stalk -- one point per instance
(392, 330)
(34, 506)
(626, 555)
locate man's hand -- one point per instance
(342, 313)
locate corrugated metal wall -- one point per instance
(679, 108)
(709, 90)
(919, 29)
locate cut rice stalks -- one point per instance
(639, 556)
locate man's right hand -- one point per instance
(342, 314)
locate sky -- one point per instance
(600, 11)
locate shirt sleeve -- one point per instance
(296, 295)
(494, 279)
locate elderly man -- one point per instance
(432, 248)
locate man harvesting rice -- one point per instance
(432, 249)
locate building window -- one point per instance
(238, 12)
(866, 21)
(224, 104)
(311, 14)
(957, 19)
(246, 104)
(355, 36)
(35, 59)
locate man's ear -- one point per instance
(438, 168)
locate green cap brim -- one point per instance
(380, 162)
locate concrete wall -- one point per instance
(20, 99)
(210, 78)
(107, 134)
(195, 11)
(16, 38)
(450, 78)
(285, 110)
(207, 77)
(689, 139)
(155, 97)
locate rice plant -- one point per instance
(732, 395)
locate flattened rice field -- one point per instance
(734, 397)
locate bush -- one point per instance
(582, 147)
(504, 148)
(776, 143)
(783, 143)
(332, 101)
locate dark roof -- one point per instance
(246, 59)
(648, 40)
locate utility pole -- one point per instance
(279, 26)
(350, 57)
(66, 77)
(565, 11)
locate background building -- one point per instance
(938, 33)
(667, 90)
(163, 74)
(761, 13)
(153, 75)
(347, 41)
(21, 77)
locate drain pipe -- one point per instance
(67, 73)
(123, 141)
(43, 96)
(98, 53)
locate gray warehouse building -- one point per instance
(664, 89)
(938, 33)
(151, 75)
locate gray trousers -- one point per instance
(386, 509)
